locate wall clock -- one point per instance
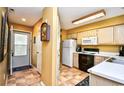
(45, 32)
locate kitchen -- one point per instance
(98, 49)
(85, 54)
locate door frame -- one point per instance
(39, 70)
(30, 43)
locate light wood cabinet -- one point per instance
(99, 81)
(99, 59)
(79, 38)
(69, 36)
(75, 60)
(90, 33)
(85, 34)
(119, 34)
(72, 36)
(105, 35)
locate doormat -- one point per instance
(21, 68)
(84, 82)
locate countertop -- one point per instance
(105, 54)
(110, 71)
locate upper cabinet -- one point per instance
(79, 38)
(90, 33)
(72, 36)
(119, 34)
(113, 35)
(105, 35)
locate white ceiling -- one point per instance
(31, 14)
(67, 14)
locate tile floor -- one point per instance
(28, 77)
(71, 76)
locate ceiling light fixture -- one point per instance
(89, 17)
(23, 19)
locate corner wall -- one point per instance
(49, 48)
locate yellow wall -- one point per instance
(22, 27)
(36, 28)
(63, 35)
(3, 64)
(104, 23)
(49, 47)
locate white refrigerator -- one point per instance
(69, 47)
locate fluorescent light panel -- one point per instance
(89, 17)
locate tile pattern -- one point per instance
(28, 77)
(70, 76)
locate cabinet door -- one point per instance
(92, 33)
(75, 60)
(98, 59)
(119, 34)
(69, 36)
(74, 35)
(85, 34)
(105, 35)
(79, 38)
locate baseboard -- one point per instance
(6, 79)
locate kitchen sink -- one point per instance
(116, 61)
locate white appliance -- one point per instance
(69, 47)
(89, 41)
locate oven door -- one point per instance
(85, 61)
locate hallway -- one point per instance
(28, 77)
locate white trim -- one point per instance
(30, 36)
(6, 79)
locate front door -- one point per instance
(21, 49)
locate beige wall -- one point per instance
(3, 64)
(105, 23)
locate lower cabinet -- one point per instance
(75, 60)
(95, 80)
(99, 59)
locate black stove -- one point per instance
(86, 60)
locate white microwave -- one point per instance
(89, 41)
